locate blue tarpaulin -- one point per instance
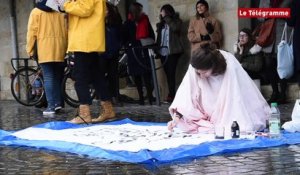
(146, 156)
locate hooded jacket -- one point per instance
(48, 29)
(86, 25)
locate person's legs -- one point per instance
(58, 77)
(82, 75)
(99, 71)
(298, 77)
(100, 82)
(283, 88)
(170, 70)
(113, 77)
(148, 83)
(139, 85)
(271, 72)
(48, 74)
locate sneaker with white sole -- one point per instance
(57, 108)
(49, 111)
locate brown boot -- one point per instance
(107, 112)
(84, 115)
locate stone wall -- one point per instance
(22, 9)
(5, 47)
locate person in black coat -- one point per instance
(113, 43)
(137, 28)
(294, 21)
(168, 35)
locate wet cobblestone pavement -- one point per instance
(23, 160)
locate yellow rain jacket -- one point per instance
(50, 31)
(86, 25)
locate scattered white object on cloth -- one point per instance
(294, 125)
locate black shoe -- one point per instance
(57, 108)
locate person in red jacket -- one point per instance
(137, 28)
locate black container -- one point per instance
(266, 130)
(235, 130)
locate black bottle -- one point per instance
(235, 130)
(266, 130)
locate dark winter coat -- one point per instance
(175, 23)
(138, 61)
(294, 21)
(113, 41)
(251, 59)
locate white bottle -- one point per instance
(274, 121)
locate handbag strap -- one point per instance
(284, 33)
(291, 37)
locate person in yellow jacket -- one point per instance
(48, 30)
(86, 41)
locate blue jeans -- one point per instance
(53, 74)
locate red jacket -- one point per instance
(142, 26)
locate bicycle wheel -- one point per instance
(27, 87)
(69, 92)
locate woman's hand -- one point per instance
(171, 125)
(175, 119)
(241, 48)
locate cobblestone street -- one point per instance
(24, 160)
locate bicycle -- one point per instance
(27, 85)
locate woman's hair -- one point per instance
(204, 2)
(251, 40)
(113, 17)
(208, 57)
(135, 10)
(169, 10)
(41, 4)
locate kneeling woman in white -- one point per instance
(216, 91)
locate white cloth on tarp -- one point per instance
(294, 125)
(123, 137)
